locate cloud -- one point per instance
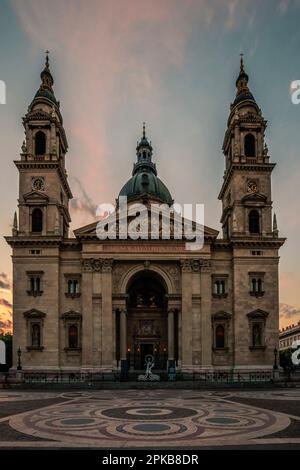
(282, 6)
(288, 313)
(82, 202)
(4, 281)
(113, 54)
(5, 303)
(5, 326)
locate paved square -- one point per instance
(149, 419)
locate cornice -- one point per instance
(262, 167)
(46, 164)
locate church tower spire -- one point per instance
(44, 189)
(246, 189)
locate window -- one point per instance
(249, 144)
(221, 330)
(40, 143)
(254, 221)
(72, 326)
(256, 334)
(35, 335)
(35, 252)
(73, 337)
(220, 337)
(34, 283)
(256, 284)
(220, 285)
(34, 325)
(37, 220)
(72, 285)
(257, 323)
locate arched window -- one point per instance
(36, 335)
(249, 144)
(40, 143)
(73, 336)
(254, 221)
(37, 220)
(220, 336)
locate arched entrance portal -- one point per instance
(151, 328)
(147, 321)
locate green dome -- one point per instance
(144, 178)
(146, 182)
(46, 94)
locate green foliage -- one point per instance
(285, 359)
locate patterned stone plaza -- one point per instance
(151, 419)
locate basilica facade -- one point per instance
(85, 304)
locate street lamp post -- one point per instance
(275, 366)
(19, 352)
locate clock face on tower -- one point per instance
(252, 187)
(38, 183)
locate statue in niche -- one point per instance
(139, 300)
(152, 301)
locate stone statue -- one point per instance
(24, 148)
(148, 376)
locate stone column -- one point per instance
(171, 337)
(107, 314)
(206, 325)
(186, 314)
(123, 344)
(87, 314)
(123, 335)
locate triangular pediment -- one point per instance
(34, 313)
(254, 197)
(90, 230)
(38, 115)
(71, 315)
(36, 197)
(258, 313)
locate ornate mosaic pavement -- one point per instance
(152, 419)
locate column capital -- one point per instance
(205, 265)
(107, 265)
(97, 265)
(87, 265)
(186, 265)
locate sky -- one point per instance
(173, 64)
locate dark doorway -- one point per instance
(146, 348)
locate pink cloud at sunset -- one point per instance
(172, 63)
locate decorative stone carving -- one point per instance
(186, 265)
(174, 273)
(107, 265)
(205, 265)
(147, 264)
(196, 265)
(118, 272)
(87, 265)
(97, 265)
